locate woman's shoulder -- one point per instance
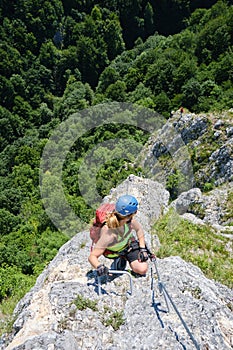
(135, 224)
(106, 237)
(106, 231)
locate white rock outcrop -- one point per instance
(50, 317)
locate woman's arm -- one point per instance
(105, 240)
(139, 232)
(93, 257)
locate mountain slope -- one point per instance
(64, 310)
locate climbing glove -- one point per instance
(142, 255)
(102, 270)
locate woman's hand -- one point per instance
(102, 270)
(142, 255)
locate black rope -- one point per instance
(167, 298)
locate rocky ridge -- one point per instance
(64, 311)
(214, 135)
(208, 140)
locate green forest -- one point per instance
(60, 57)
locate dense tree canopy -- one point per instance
(60, 57)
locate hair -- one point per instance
(113, 219)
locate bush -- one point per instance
(13, 283)
(83, 303)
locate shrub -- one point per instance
(114, 319)
(84, 303)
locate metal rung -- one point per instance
(117, 272)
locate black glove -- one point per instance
(152, 257)
(102, 270)
(142, 255)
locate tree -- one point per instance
(113, 38)
(11, 127)
(38, 80)
(96, 13)
(41, 17)
(185, 71)
(116, 91)
(11, 60)
(25, 178)
(22, 108)
(15, 33)
(191, 92)
(159, 76)
(133, 78)
(76, 96)
(214, 35)
(185, 41)
(67, 64)
(8, 221)
(223, 68)
(149, 19)
(11, 199)
(92, 58)
(109, 76)
(162, 104)
(140, 92)
(49, 55)
(19, 85)
(13, 283)
(6, 92)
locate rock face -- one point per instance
(221, 163)
(200, 131)
(64, 311)
(210, 144)
(210, 209)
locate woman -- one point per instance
(117, 239)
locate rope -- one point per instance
(167, 298)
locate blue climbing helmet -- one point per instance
(126, 205)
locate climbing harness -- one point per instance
(167, 298)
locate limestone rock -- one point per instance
(167, 150)
(207, 209)
(64, 310)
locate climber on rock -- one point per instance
(118, 242)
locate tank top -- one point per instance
(121, 244)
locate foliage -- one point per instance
(173, 66)
(60, 57)
(13, 283)
(174, 183)
(58, 41)
(6, 324)
(228, 208)
(29, 251)
(196, 244)
(113, 318)
(84, 303)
